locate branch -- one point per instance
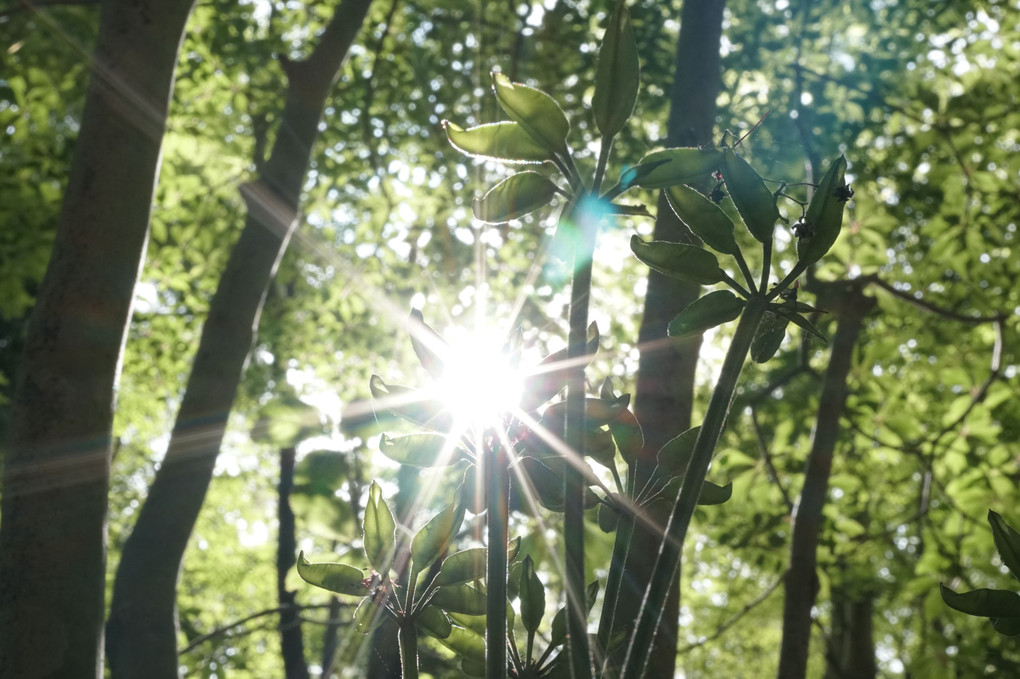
(934, 308)
(767, 459)
(721, 629)
(219, 631)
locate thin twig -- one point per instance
(721, 629)
(219, 631)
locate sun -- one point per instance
(478, 384)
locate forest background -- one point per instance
(920, 97)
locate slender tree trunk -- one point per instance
(850, 305)
(665, 379)
(56, 474)
(853, 654)
(291, 641)
(142, 629)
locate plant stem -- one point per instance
(668, 560)
(407, 635)
(573, 483)
(498, 493)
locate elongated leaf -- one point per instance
(335, 577)
(514, 197)
(715, 308)
(682, 166)
(505, 141)
(754, 201)
(421, 450)
(465, 643)
(627, 435)
(378, 527)
(705, 219)
(408, 404)
(1007, 542)
(608, 518)
(617, 75)
(428, 345)
(547, 483)
(598, 412)
(678, 260)
(799, 321)
(463, 566)
(558, 633)
(434, 622)
(368, 615)
(768, 337)
(673, 457)
(532, 594)
(712, 494)
(434, 537)
(987, 603)
(549, 377)
(535, 111)
(461, 598)
(824, 217)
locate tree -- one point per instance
(56, 470)
(143, 626)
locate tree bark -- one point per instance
(291, 641)
(848, 302)
(665, 379)
(142, 629)
(56, 475)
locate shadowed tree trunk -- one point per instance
(291, 642)
(853, 643)
(849, 304)
(665, 379)
(57, 467)
(142, 630)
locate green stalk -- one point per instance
(497, 495)
(621, 548)
(407, 637)
(573, 483)
(676, 529)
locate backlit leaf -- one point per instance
(535, 111)
(678, 260)
(618, 74)
(715, 308)
(705, 219)
(514, 197)
(504, 141)
(754, 201)
(335, 577)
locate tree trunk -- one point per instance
(142, 629)
(853, 647)
(291, 641)
(848, 302)
(56, 475)
(665, 379)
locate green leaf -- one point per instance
(368, 615)
(408, 404)
(712, 494)
(617, 76)
(421, 450)
(461, 598)
(463, 566)
(627, 435)
(535, 111)
(608, 518)
(549, 377)
(1007, 542)
(434, 537)
(799, 321)
(754, 201)
(378, 527)
(678, 260)
(558, 633)
(335, 577)
(465, 643)
(768, 337)
(705, 219)
(715, 308)
(681, 166)
(428, 345)
(673, 457)
(532, 594)
(434, 622)
(547, 483)
(824, 217)
(987, 603)
(514, 197)
(505, 141)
